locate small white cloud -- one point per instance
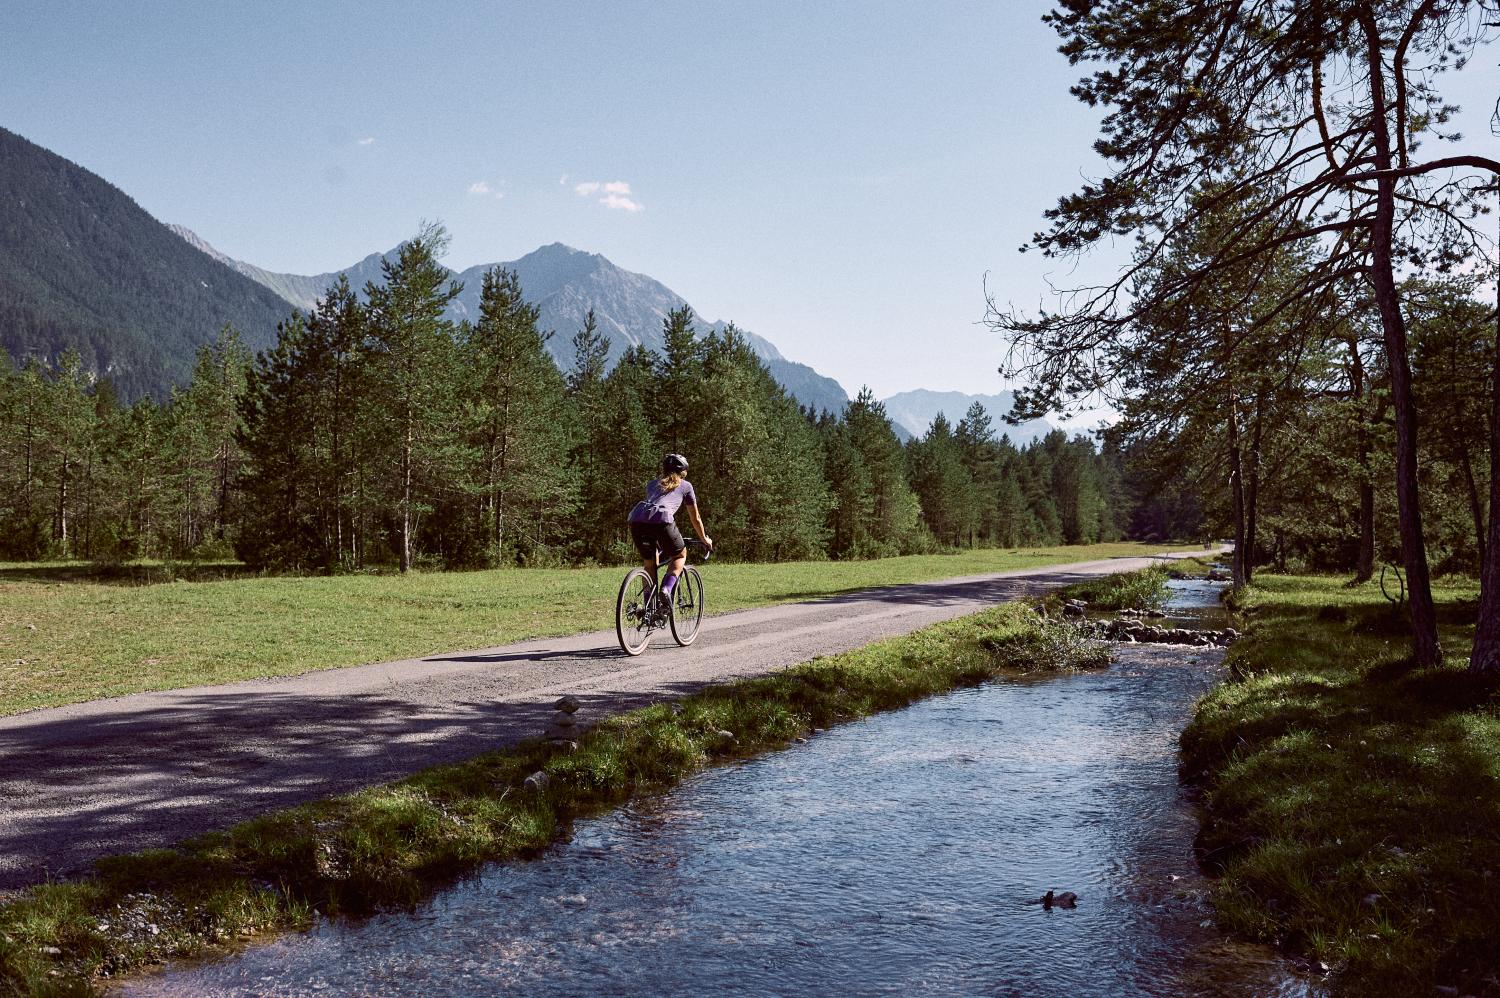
(617, 195)
(620, 202)
(563, 180)
(368, 140)
(479, 187)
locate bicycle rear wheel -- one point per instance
(687, 607)
(632, 612)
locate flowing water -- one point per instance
(901, 854)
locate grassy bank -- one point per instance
(1143, 590)
(65, 638)
(393, 844)
(1353, 806)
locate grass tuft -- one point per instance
(1142, 590)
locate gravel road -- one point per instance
(144, 771)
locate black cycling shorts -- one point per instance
(650, 538)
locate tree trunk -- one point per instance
(1425, 648)
(1486, 655)
(406, 499)
(1364, 560)
(1236, 495)
(1476, 505)
(62, 506)
(1252, 489)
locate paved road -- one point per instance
(115, 776)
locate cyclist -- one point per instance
(653, 523)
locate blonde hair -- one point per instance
(670, 481)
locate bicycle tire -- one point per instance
(687, 607)
(630, 608)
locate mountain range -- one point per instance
(82, 266)
(564, 283)
(914, 412)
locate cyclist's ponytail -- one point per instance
(670, 481)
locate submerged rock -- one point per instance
(1067, 899)
(1131, 631)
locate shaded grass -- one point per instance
(1351, 804)
(64, 639)
(392, 845)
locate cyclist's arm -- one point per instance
(698, 526)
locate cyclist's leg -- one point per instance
(677, 557)
(645, 540)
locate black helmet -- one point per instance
(673, 464)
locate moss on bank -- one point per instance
(1351, 805)
(394, 844)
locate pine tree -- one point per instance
(516, 410)
(412, 373)
(895, 511)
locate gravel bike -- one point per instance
(639, 612)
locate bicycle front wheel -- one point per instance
(687, 607)
(633, 612)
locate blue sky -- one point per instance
(836, 177)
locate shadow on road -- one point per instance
(156, 769)
(76, 789)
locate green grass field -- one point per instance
(1353, 804)
(66, 637)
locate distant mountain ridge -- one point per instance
(83, 267)
(914, 412)
(564, 283)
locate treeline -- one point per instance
(1307, 330)
(1285, 441)
(376, 432)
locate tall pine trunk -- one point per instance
(1486, 655)
(1476, 504)
(1425, 648)
(1237, 493)
(1252, 489)
(406, 496)
(1364, 560)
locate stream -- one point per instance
(900, 854)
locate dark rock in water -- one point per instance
(1067, 899)
(1133, 631)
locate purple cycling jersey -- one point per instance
(661, 506)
